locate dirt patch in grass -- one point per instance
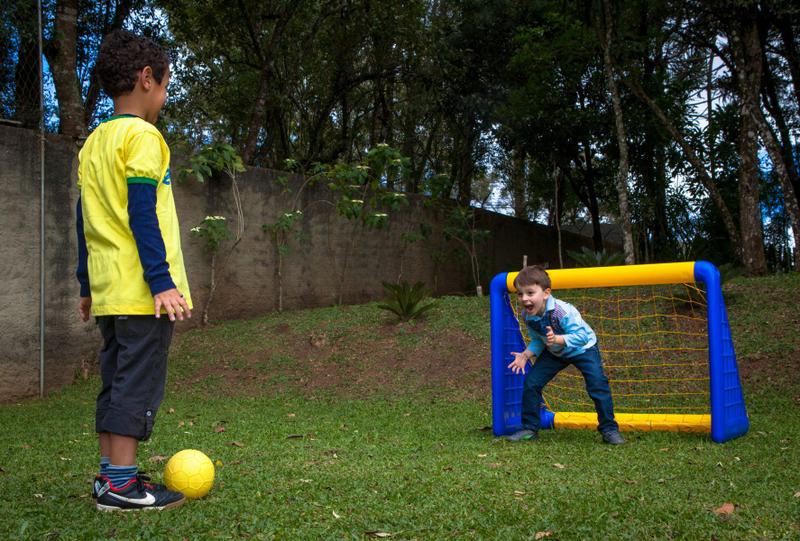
(773, 370)
(393, 360)
(399, 359)
(352, 353)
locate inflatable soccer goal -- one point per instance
(666, 345)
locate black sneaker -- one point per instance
(98, 484)
(613, 437)
(136, 494)
(523, 435)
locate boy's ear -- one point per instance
(146, 77)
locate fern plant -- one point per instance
(589, 258)
(406, 301)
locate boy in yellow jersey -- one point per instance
(130, 264)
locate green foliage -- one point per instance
(489, 97)
(214, 230)
(423, 232)
(461, 225)
(213, 158)
(360, 189)
(438, 186)
(589, 258)
(282, 229)
(406, 301)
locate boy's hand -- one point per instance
(85, 308)
(173, 302)
(553, 338)
(519, 363)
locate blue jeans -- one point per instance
(545, 369)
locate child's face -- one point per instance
(156, 94)
(533, 298)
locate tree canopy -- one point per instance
(676, 121)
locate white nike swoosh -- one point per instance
(148, 500)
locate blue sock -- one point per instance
(105, 462)
(119, 475)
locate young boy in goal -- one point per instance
(559, 337)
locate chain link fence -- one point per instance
(21, 100)
(22, 105)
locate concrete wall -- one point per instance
(248, 285)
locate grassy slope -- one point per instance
(338, 425)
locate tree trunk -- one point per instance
(462, 164)
(557, 183)
(592, 204)
(661, 232)
(619, 122)
(712, 157)
(784, 25)
(211, 289)
(518, 182)
(772, 104)
(408, 148)
(257, 117)
(789, 196)
(749, 209)
(62, 57)
(702, 174)
(746, 50)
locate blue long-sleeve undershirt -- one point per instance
(144, 225)
(82, 272)
(143, 222)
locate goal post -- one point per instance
(725, 415)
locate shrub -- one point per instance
(406, 301)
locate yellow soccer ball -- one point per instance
(189, 472)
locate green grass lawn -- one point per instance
(339, 425)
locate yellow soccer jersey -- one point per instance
(125, 149)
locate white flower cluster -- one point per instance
(196, 230)
(357, 201)
(214, 218)
(291, 214)
(380, 215)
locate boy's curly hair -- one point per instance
(122, 56)
(532, 275)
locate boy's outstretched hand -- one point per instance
(85, 308)
(173, 302)
(519, 363)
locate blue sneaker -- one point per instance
(523, 435)
(99, 480)
(136, 494)
(613, 437)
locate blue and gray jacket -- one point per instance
(565, 321)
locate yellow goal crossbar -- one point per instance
(627, 275)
